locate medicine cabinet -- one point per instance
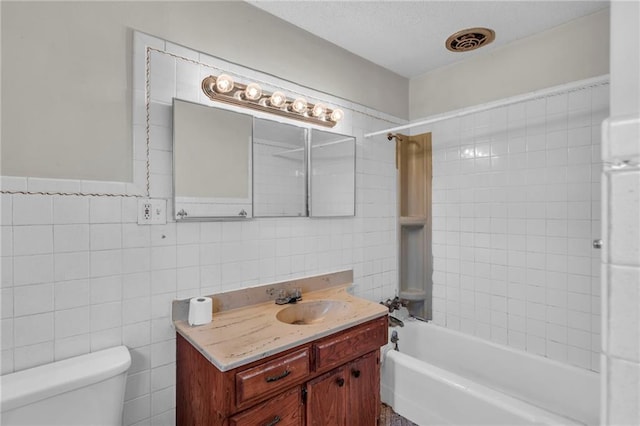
(229, 166)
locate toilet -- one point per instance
(84, 390)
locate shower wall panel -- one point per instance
(516, 205)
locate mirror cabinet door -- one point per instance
(211, 162)
(333, 177)
(279, 164)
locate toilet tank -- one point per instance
(84, 390)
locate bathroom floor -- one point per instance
(390, 418)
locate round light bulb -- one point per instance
(277, 99)
(318, 110)
(224, 84)
(253, 91)
(336, 115)
(299, 105)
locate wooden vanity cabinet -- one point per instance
(333, 381)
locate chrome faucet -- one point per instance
(288, 296)
(395, 304)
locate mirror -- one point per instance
(279, 164)
(211, 162)
(333, 177)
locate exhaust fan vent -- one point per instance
(470, 39)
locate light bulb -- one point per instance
(299, 105)
(318, 110)
(253, 91)
(337, 115)
(277, 99)
(224, 84)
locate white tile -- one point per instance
(32, 329)
(6, 297)
(7, 241)
(188, 255)
(107, 262)
(163, 376)
(162, 330)
(624, 313)
(163, 353)
(6, 361)
(6, 208)
(136, 410)
(7, 333)
(163, 400)
(188, 233)
(136, 260)
(72, 322)
(68, 238)
(71, 294)
(622, 392)
(136, 310)
(105, 210)
(32, 210)
(138, 385)
(161, 305)
(106, 236)
(106, 338)
(624, 210)
(134, 235)
(32, 269)
(137, 335)
(164, 281)
(106, 316)
(70, 209)
(136, 285)
(33, 239)
(33, 355)
(33, 299)
(71, 266)
(106, 289)
(71, 346)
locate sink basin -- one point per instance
(312, 312)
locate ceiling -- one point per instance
(407, 37)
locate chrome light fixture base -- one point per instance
(328, 117)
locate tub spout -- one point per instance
(393, 321)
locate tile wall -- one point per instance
(516, 205)
(79, 274)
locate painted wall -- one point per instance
(516, 205)
(621, 224)
(66, 75)
(79, 274)
(573, 51)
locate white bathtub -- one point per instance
(442, 376)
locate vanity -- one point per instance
(315, 362)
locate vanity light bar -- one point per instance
(224, 89)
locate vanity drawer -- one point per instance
(283, 410)
(272, 376)
(350, 344)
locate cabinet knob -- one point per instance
(340, 382)
(355, 373)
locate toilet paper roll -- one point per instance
(200, 310)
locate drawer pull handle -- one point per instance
(355, 373)
(274, 422)
(340, 382)
(284, 374)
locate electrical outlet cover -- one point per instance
(152, 211)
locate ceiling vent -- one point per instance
(470, 39)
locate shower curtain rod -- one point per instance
(589, 82)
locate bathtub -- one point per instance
(441, 376)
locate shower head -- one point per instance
(391, 136)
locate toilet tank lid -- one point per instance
(38, 383)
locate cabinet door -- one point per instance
(363, 403)
(327, 399)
